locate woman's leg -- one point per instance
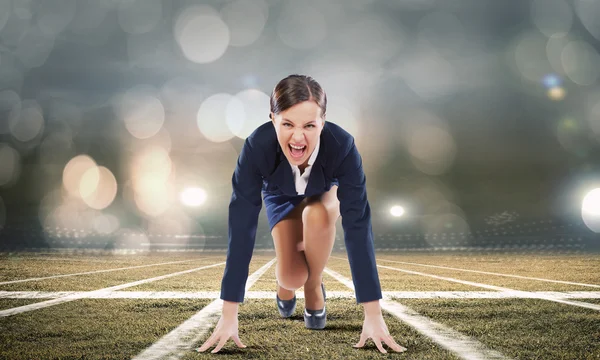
(310, 227)
(291, 269)
(318, 217)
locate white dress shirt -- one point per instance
(302, 180)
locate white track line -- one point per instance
(87, 294)
(491, 273)
(451, 340)
(524, 294)
(391, 295)
(96, 271)
(181, 339)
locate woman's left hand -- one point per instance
(374, 327)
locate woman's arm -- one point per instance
(244, 208)
(358, 236)
(356, 221)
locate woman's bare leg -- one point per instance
(303, 242)
(318, 217)
(291, 269)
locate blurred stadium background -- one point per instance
(121, 120)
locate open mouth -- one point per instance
(297, 153)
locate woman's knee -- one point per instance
(318, 216)
(292, 279)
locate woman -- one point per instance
(303, 166)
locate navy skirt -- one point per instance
(279, 205)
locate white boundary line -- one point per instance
(97, 271)
(491, 273)
(391, 295)
(524, 294)
(87, 294)
(181, 339)
(451, 340)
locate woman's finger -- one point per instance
(378, 344)
(224, 339)
(389, 340)
(237, 341)
(361, 342)
(208, 343)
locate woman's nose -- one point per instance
(298, 134)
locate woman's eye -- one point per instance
(287, 124)
(311, 125)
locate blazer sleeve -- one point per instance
(244, 208)
(356, 221)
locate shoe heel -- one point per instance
(286, 308)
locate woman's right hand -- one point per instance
(226, 328)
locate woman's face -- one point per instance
(301, 126)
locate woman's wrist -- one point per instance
(230, 308)
(372, 308)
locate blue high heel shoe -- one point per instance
(286, 307)
(316, 319)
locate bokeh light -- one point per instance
(554, 48)
(142, 111)
(590, 210)
(247, 111)
(27, 122)
(212, 117)
(588, 11)
(557, 93)
(193, 197)
(10, 170)
(74, 171)
(34, 47)
(552, 16)
(551, 81)
(151, 173)
(10, 102)
(530, 56)
(581, 62)
(428, 140)
(246, 20)
(98, 187)
(106, 223)
(201, 34)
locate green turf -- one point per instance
(520, 328)
(203, 280)
(398, 281)
(92, 328)
(106, 279)
(11, 303)
(582, 268)
(592, 301)
(502, 281)
(268, 336)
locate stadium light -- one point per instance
(397, 211)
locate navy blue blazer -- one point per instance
(262, 165)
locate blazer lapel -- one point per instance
(283, 175)
(316, 179)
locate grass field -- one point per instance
(164, 305)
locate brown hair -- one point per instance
(295, 89)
